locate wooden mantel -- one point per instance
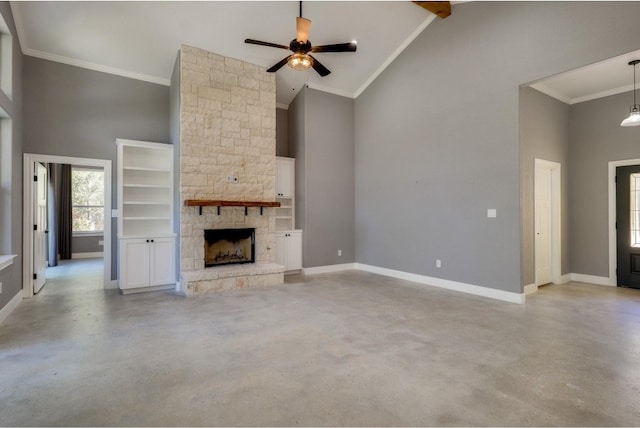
(217, 203)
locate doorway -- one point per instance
(628, 226)
(29, 209)
(547, 222)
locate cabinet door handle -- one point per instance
(147, 240)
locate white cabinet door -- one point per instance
(162, 262)
(285, 177)
(134, 263)
(289, 249)
(294, 250)
(281, 249)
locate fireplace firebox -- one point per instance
(229, 246)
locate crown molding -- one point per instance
(550, 92)
(608, 92)
(96, 67)
(17, 21)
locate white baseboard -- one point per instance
(147, 289)
(565, 278)
(592, 279)
(328, 269)
(10, 306)
(477, 290)
(95, 255)
(530, 289)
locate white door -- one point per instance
(162, 262)
(285, 177)
(543, 225)
(281, 249)
(134, 263)
(294, 251)
(40, 228)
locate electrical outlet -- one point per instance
(438, 263)
(339, 253)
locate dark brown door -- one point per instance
(628, 225)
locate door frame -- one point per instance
(556, 218)
(613, 250)
(27, 204)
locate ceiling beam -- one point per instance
(440, 8)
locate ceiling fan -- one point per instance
(301, 46)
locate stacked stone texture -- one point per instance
(227, 128)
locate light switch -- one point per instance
(492, 213)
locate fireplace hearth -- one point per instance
(229, 246)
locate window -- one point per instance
(87, 200)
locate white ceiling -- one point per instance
(141, 39)
(601, 79)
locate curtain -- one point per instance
(65, 221)
(52, 215)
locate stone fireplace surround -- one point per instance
(227, 129)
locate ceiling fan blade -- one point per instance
(271, 45)
(278, 66)
(302, 29)
(340, 47)
(321, 69)
(440, 8)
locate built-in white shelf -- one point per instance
(145, 203)
(139, 168)
(153, 186)
(145, 181)
(145, 225)
(146, 218)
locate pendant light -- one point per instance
(634, 116)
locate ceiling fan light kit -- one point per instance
(301, 46)
(300, 62)
(634, 116)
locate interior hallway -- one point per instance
(348, 348)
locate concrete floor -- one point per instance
(348, 348)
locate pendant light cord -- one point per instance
(634, 79)
(634, 68)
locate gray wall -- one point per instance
(11, 193)
(324, 175)
(436, 134)
(296, 136)
(71, 111)
(282, 132)
(86, 244)
(596, 138)
(544, 134)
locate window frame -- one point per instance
(87, 233)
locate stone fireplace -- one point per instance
(229, 246)
(227, 153)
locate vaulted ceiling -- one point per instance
(141, 40)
